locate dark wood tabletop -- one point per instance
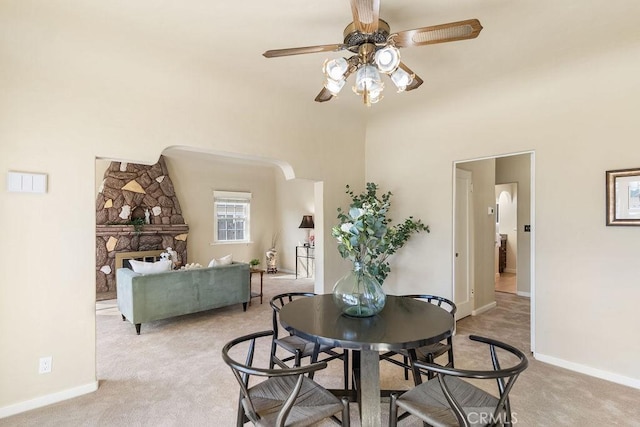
(404, 323)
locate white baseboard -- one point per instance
(588, 370)
(483, 309)
(523, 294)
(49, 399)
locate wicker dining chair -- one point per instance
(452, 401)
(287, 397)
(430, 352)
(296, 347)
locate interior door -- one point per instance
(462, 274)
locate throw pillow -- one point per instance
(150, 267)
(225, 260)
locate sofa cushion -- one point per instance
(225, 260)
(143, 267)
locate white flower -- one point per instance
(346, 227)
(356, 213)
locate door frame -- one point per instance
(469, 255)
(532, 298)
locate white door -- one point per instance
(462, 272)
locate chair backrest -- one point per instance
(436, 300)
(244, 370)
(279, 301)
(505, 378)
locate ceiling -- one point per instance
(228, 37)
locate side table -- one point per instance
(305, 253)
(255, 294)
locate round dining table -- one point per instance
(404, 323)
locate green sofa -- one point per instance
(144, 298)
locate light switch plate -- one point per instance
(24, 182)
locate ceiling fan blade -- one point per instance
(324, 95)
(366, 14)
(417, 81)
(302, 50)
(452, 31)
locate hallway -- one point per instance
(506, 283)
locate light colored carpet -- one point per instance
(173, 375)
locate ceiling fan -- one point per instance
(375, 50)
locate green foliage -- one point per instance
(137, 223)
(365, 235)
(254, 262)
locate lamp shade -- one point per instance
(307, 222)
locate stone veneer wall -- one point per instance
(131, 191)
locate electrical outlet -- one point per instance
(45, 365)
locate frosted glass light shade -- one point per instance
(367, 78)
(335, 68)
(334, 86)
(387, 59)
(401, 79)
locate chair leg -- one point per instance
(346, 416)
(240, 418)
(273, 354)
(393, 410)
(429, 359)
(450, 352)
(314, 358)
(345, 356)
(406, 370)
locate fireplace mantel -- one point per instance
(147, 229)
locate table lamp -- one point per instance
(307, 222)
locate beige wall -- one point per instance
(76, 88)
(294, 199)
(581, 120)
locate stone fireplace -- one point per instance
(136, 210)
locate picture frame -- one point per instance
(623, 197)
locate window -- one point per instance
(231, 216)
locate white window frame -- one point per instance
(232, 197)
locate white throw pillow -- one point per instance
(150, 267)
(225, 260)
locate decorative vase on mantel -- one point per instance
(358, 293)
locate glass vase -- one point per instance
(358, 293)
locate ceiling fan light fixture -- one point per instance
(334, 86)
(367, 77)
(387, 59)
(335, 68)
(375, 96)
(401, 79)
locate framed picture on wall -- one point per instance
(623, 197)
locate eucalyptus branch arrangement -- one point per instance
(365, 234)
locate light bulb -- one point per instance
(401, 79)
(335, 68)
(387, 59)
(334, 86)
